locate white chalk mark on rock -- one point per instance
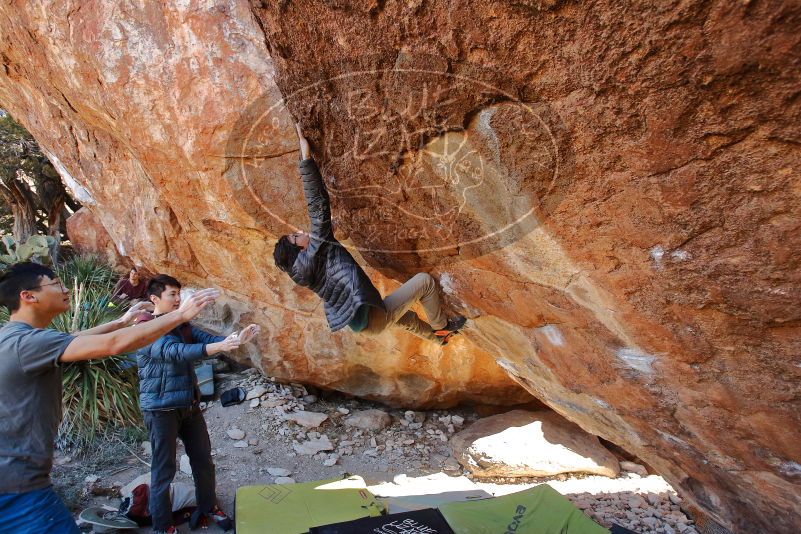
(636, 359)
(657, 253)
(552, 334)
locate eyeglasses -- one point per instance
(59, 282)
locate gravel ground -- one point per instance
(254, 443)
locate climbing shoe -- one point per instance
(451, 328)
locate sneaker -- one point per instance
(201, 520)
(222, 520)
(452, 326)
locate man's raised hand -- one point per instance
(230, 343)
(195, 304)
(248, 333)
(134, 311)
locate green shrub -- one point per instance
(99, 395)
(87, 270)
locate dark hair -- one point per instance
(133, 268)
(285, 253)
(159, 283)
(19, 277)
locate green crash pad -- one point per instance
(295, 508)
(538, 510)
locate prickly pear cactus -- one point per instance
(36, 248)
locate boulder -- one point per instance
(88, 236)
(632, 467)
(530, 444)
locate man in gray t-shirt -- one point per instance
(30, 404)
(31, 356)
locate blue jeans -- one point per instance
(35, 512)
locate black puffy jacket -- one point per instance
(167, 377)
(325, 266)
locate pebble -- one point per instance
(369, 420)
(256, 392)
(279, 471)
(284, 480)
(254, 403)
(235, 433)
(313, 446)
(307, 419)
(241, 444)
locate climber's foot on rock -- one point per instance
(452, 328)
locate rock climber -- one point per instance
(318, 261)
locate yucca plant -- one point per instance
(99, 396)
(88, 270)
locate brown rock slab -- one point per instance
(307, 419)
(530, 444)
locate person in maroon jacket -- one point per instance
(132, 287)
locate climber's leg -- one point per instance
(423, 288)
(420, 288)
(410, 322)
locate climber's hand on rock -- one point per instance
(304, 144)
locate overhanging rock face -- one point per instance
(137, 107)
(610, 192)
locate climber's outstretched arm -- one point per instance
(317, 204)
